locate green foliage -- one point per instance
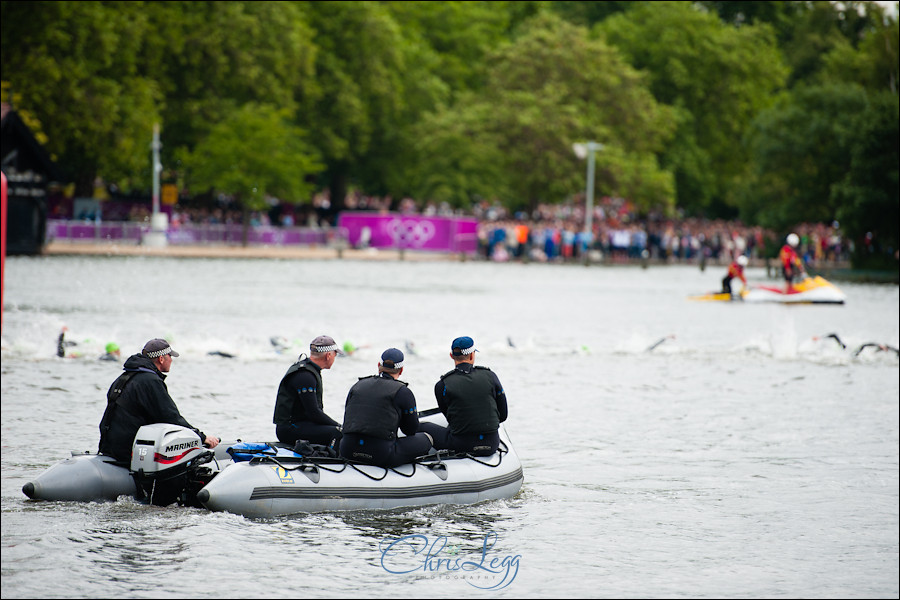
(799, 152)
(212, 57)
(75, 67)
(550, 88)
(451, 160)
(873, 65)
(457, 35)
(717, 76)
(825, 153)
(707, 106)
(253, 154)
(589, 13)
(868, 196)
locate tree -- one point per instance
(868, 197)
(512, 140)
(75, 67)
(210, 58)
(716, 76)
(360, 66)
(873, 63)
(456, 36)
(799, 152)
(254, 154)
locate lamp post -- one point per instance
(157, 167)
(159, 221)
(582, 151)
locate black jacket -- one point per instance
(377, 405)
(472, 399)
(299, 396)
(143, 400)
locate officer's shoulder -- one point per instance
(448, 373)
(482, 368)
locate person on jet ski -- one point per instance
(791, 264)
(735, 269)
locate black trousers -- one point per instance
(478, 444)
(726, 285)
(316, 433)
(384, 453)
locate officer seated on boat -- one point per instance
(473, 401)
(140, 397)
(299, 407)
(377, 406)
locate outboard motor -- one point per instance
(167, 464)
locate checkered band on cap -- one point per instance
(157, 347)
(158, 353)
(394, 357)
(324, 343)
(331, 348)
(463, 346)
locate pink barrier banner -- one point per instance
(410, 232)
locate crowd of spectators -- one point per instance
(550, 233)
(620, 234)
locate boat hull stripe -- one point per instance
(273, 492)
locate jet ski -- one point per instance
(809, 290)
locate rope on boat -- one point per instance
(314, 464)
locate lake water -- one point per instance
(741, 457)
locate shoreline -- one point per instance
(226, 251)
(836, 272)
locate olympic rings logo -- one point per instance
(410, 232)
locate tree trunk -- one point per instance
(84, 186)
(338, 193)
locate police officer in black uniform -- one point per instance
(473, 401)
(299, 408)
(376, 407)
(140, 397)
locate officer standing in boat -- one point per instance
(299, 407)
(140, 397)
(473, 401)
(377, 406)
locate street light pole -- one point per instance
(582, 151)
(159, 221)
(157, 167)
